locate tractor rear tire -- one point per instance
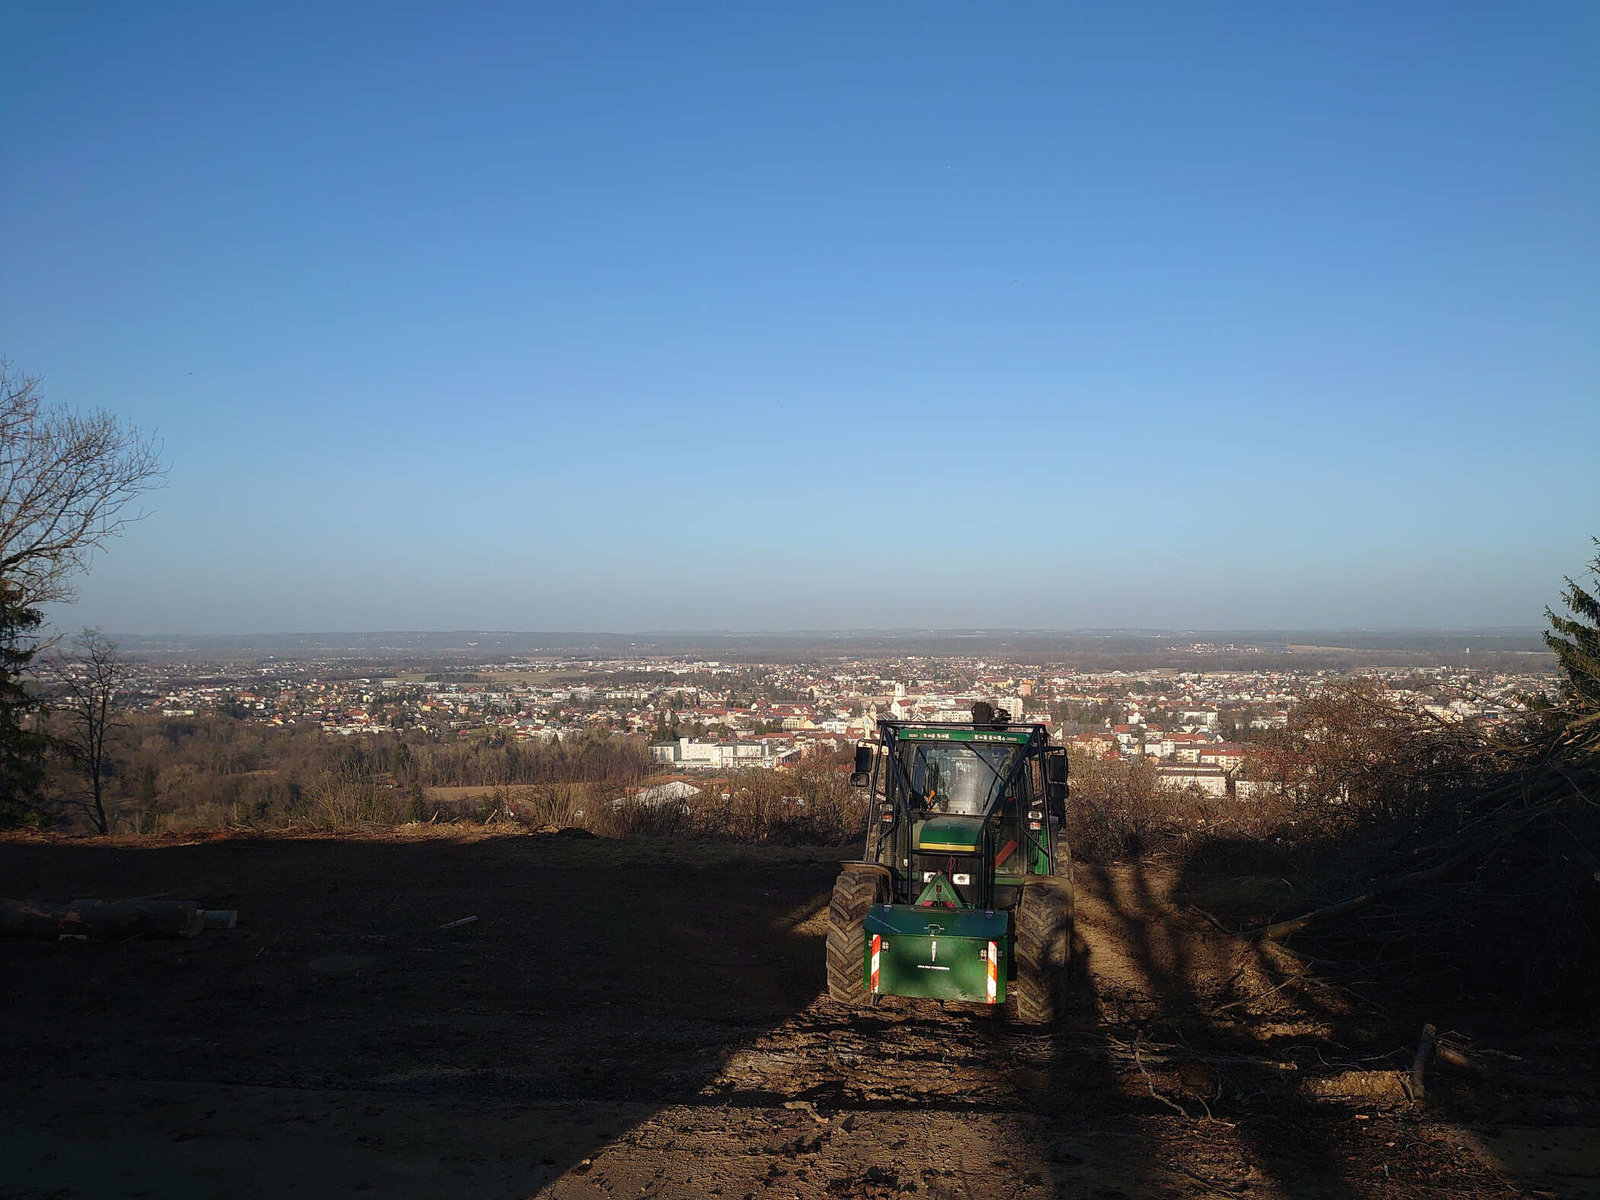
(854, 893)
(1043, 947)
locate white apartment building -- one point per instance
(1211, 781)
(693, 754)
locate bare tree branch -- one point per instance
(66, 482)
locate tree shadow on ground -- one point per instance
(340, 1040)
(1175, 1002)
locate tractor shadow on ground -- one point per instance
(339, 1040)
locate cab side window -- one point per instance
(1010, 859)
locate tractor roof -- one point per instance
(937, 731)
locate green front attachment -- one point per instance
(942, 954)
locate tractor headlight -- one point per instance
(961, 880)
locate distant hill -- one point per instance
(1090, 649)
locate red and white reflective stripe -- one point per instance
(877, 944)
(994, 954)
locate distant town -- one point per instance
(1196, 727)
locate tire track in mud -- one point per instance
(900, 1054)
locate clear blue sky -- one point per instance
(759, 316)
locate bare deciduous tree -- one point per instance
(90, 681)
(66, 480)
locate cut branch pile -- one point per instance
(1494, 861)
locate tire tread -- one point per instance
(1043, 945)
(853, 895)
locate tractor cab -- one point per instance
(966, 802)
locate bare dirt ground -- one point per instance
(628, 1019)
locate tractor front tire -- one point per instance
(854, 893)
(1043, 946)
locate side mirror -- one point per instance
(1055, 783)
(1055, 768)
(861, 776)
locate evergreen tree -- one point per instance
(21, 748)
(1576, 642)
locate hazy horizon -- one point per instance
(670, 317)
(512, 641)
(992, 630)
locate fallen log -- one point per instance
(1446, 1053)
(1523, 1080)
(110, 920)
(1282, 929)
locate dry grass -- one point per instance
(1118, 812)
(807, 805)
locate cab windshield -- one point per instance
(957, 778)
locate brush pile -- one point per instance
(1450, 849)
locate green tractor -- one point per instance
(965, 890)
